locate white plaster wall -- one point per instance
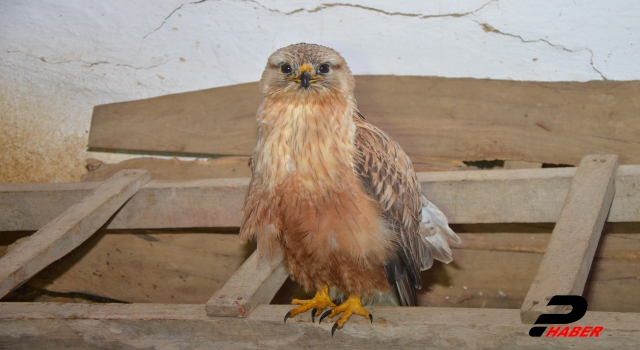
(60, 58)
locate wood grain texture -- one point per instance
(147, 266)
(214, 121)
(28, 207)
(255, 282)
(188, 267)
(520, 196)
(469, 119)
(520, 164)
(567, 260)
(517, 196)
(29, 325)
(68, 230)
(160, 204)
(223, 167)
(495, 270)
(174, 169)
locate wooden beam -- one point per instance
(174, 169)
(525, 196)
(567, 260)
(255, 282)
(29, 325)
(427, 116)
(141, 266)
(181, 123)
(491, 270)
(28, 207)
(68, 230)
(222, 167)
(495, 270)
(520, 164)
(160, 204)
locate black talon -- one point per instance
(371, 317)
(287, 316)
(333, 329)
(289, 301)
(325, 314)
(313, 315)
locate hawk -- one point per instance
(333, 195)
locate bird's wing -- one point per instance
(258, 221)
(422, 231)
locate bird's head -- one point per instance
(306, 69)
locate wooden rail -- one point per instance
(68, 230)
(30, 325)
(567, 261)
(498, 196)
(255, 282)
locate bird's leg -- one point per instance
(351, 306)
(319, 302)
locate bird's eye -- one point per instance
(324, 69)
(285, 68)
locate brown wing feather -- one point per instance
(387, 176)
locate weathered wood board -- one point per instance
(68, 230)
(28, 207)
(469, 119)
(520, 164)
(214, 121)
(448, 188)
(173, 169)
(567, 261)
(224, 167)
(495, 270)
(255, 282)
(525, 196)
(30, 325)
(190, 267)
(147, 267)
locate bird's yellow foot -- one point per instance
(351, 306)
(318, 303)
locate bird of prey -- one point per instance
(333, 195)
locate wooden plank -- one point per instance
(160, 204)
(147, 266)
(214, 121)
(223, 167)
(618, 246)
(68, 230)
(28, 207)
(519, 164)
(188, 267)
(29, 325)
(567, 261)
(495, 270)
(255, 282)
(469, 119)
(525, 196)
(520, 196)
(174, 169)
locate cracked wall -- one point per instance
(60, 59)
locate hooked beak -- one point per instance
(305, 78)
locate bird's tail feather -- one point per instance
(436, 235)
(402, 282)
